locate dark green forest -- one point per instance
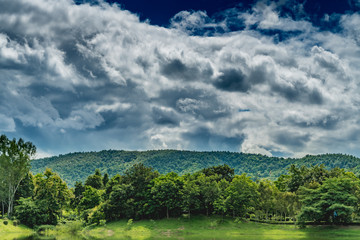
(74, 167)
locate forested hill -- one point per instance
(74, 167)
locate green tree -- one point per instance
(282, 182)
(266, 201)
(114, 181)
(95, 180)
(31, 213)
(190, 195)
(209, 190)
(332, 202)
(220, 205)
(78, 194)
(166, 192)
(91, 198)
(52, 194)
(222, 172)
(26, 187)
(14, 165)
(297, 178)
(140, 178)
(105, 179)
(120, 203)
(242, 195)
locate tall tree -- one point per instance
(222, 172)
(266, 199)
(91, 198)
(209, 190)
(140, 178)
(52, 194)
(95, 180)
(166, 192)
(190, 195)
(105, 179)
(242, 195)
(14, 165)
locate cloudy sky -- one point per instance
(280, 78)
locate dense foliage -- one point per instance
(303, 195)
(74, 167)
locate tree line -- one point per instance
(305, 194)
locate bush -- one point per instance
(6, 222)
(129, 224)
(32, 214)
(96, 216)
(16, 223)
(70, 227)
(42, 229)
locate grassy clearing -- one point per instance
(9, 231)
(201, 227)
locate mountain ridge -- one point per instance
(77, 166)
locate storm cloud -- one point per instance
(93, 76)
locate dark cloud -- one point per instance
(233, 80)
(195, 102)
(203, 139)
(294, 141)
(176, 69)
(327, 122)
(164, 117)
(298, 92)
(87, 64)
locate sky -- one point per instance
(280, 78)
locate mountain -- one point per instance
(78, 166)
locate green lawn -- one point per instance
(201, 227)
(9, 231)
(198, 227)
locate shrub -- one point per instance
(129, 224)
(96, 216)
(6, 222)
(16, 223)
(42, 229)
(70, 227)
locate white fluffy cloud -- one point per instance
(82, 77)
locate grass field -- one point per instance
(9, 231)
(198, 227)
(201, 227)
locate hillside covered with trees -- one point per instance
(74, 167)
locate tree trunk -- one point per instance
(10, 202)
(3, 208)
(12, 191)
(167, 212)
(207, 212)
(267, 214)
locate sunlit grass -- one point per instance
(9, 231)
(201, 227)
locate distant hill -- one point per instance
(74, 167)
